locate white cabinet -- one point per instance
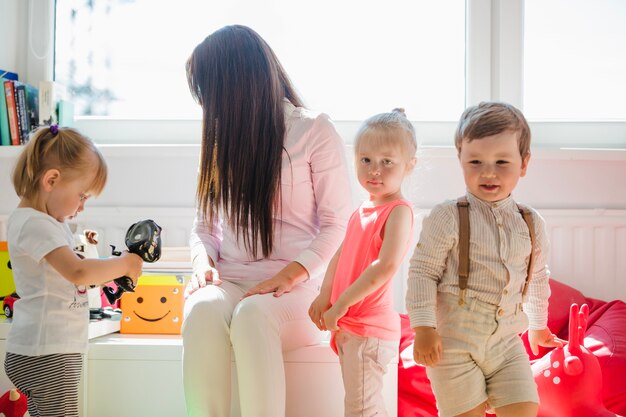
(132, 375)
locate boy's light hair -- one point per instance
(492, 118)
(384, 127)
(67, 151)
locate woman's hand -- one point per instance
(427, 346)
(279, 284)
(332, 316)
(318, 307)
(201, 278)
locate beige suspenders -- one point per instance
(464, 235)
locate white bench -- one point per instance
(149, 367)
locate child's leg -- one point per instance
(479, 411)
(527, 409)
(364, 362)
(38, 378)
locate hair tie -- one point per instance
(54, 129)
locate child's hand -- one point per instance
(318, 307)
(427, 346)
(543, 338)
(201, 278)
(332, 316)
(134, 265)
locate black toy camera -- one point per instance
(144, 239)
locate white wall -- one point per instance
(164, 176)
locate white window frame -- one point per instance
(494, 71)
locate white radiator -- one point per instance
(588, 247)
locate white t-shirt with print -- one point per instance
(52, 314)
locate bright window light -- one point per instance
(575, 60)
(350, 58)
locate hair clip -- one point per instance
(54, 129)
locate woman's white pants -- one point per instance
(259, 329)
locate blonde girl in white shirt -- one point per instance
(57, 171)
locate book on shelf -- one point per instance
(14, 128)
(28, 108)
(5, 134)
(8, 75)
(65, 112)
(48, 97)
(22, 112)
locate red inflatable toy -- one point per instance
(14, 404)
(604, 337)
(569, 379)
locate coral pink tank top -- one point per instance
(374, 316)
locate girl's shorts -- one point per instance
(483, 360)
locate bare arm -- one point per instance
(94, 271)
(322, 302)
(396, 238)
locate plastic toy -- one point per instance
(144, 239)
(569, 379)
(14, 404)
(156, 306)
(7, 285)
(85, 246)
(7, 304)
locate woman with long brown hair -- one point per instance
(273, 198)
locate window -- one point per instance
(575, 60)
(126, 59)
(562, 62)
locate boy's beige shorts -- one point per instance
(483, 358)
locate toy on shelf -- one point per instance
(7, 285)
(144, 239)
(85, 246)
(569, 379)
(156, 306)
(8, 302)
(14, 404)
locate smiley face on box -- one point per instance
(156, 306)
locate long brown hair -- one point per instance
(240, 84)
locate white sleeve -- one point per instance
(536, 305)
(333, 196)
(204, 241)
(39, 236)
(428, 263)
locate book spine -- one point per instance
(5, 133)
(47, 105)
(22, 112)
(32, 105)
(12, 112)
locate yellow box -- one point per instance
(156, 306)
(7, 285)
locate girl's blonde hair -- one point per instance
(59, 148)
(384, 127)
